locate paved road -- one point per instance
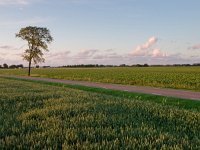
(137, 89)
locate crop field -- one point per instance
(166, 77)
(40, 116)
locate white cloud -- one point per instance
(57, 58)
(139, 51)
(142, 50)
(18, 3)
(85, 54)
(147, 50)
(105, 56)
(150, 42)
(158, 53)
(58, 55)
(92, 56)
(109, 50)
(14, 2)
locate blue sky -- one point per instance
(105, 31)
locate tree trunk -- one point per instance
(29, 68)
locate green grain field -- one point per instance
(41, 116)
(165, 77)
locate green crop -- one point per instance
(166, 77)
(40, 116)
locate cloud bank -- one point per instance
(147, 52)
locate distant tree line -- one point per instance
(5, 66)
(124, 65)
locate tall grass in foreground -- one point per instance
(37, 116)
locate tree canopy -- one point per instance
(38, 39)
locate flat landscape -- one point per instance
(99, 75)
(187, 78)
(44, 116)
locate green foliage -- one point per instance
(39, 116)
(37, 39)
(166, 77)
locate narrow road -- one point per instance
(137, 89)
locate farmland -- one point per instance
(41, 116)
(165, 77)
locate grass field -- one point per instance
(37, 116)
(167, 77)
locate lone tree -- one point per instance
(37, 39)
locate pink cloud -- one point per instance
(195, 47)
(158, 53)
(139, 51)
(142, 50)
(150, 42)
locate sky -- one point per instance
(108, 32)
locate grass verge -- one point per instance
(177, 102)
